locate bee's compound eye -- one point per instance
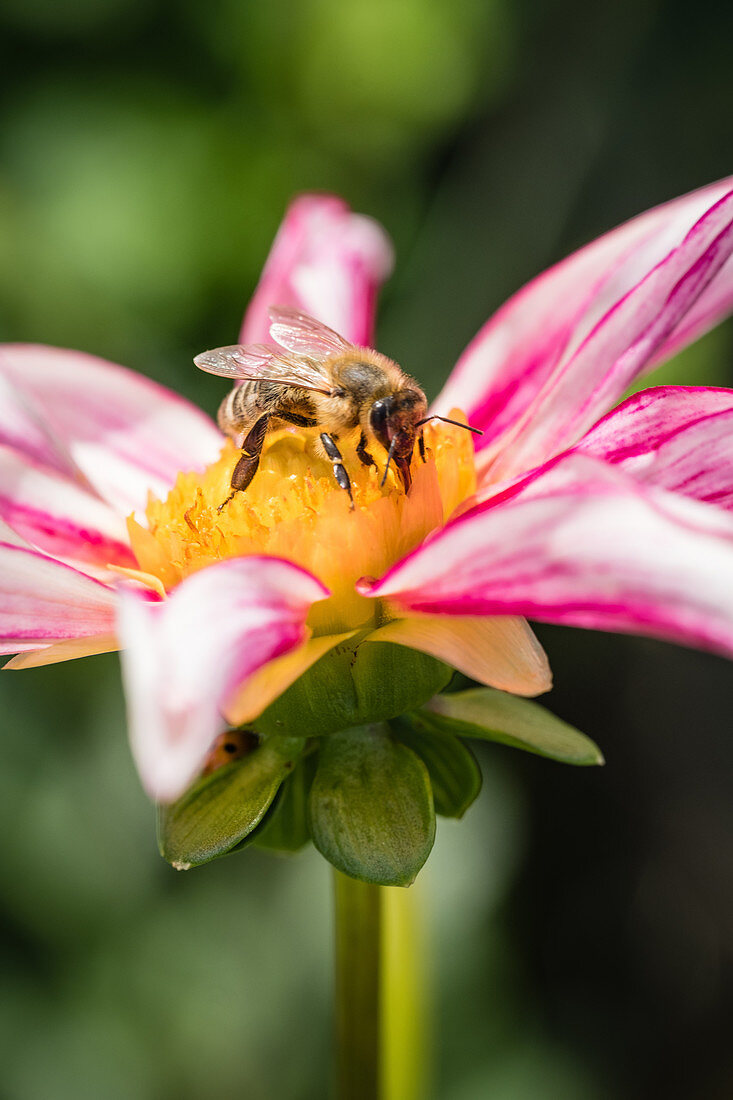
(378, 414)
(379, 419)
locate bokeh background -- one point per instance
(581, 921)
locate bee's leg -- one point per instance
(421, 446)
(337, 461)
(363, 453)
(246, 468)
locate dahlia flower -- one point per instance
(290, 614)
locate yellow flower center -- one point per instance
(294, 509)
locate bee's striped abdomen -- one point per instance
(239, 409)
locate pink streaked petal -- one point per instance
(44, 601)
(583, 544)
(183, 659)
(68, 650)
(697, 461)
(328, 263)
(11, 646)
(22, 429)
(636, 428)
(636, 433)
(619, 347)
(125, 433)
(674, 437)
(501, 651)
(58, 516)
(516, 351)
(11, 537)
(714, 304)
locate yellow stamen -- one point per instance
(294, 509)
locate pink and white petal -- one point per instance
(714, 304)
(25, 431)
(506, 364)
(184, 658)
(8, 535)
(58, 516)
(9, 646)
(327, 262)
(619, 347)
(126, 434)
(43, 601)
(697, 462)
(585, 545)
(679, 439)
(501, 651)
(269, 682)
(635, 429)
(67, 650)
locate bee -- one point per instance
(316, 378)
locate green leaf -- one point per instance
(352, 685)
(285, 828)
(454, 772)
(391, 679)
(222, 809)
(495, 716)
(320, 701)
(371, 807)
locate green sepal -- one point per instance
(222, 809)
(454, 772)
(285, 828)
(355, 683)
(496, 716)
(371, 807)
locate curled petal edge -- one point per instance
(185, 658)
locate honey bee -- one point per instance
(316, 378)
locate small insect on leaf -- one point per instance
(230, 745)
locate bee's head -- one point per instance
(393, 419)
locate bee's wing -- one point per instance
(264, 364)
(305, 335)
(235, 361)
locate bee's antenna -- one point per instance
(446, 420)
(391, 451)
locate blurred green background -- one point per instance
(581, 921)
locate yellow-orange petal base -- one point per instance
(294, 509)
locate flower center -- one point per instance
(294, 509)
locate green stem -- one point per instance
(380, 993)
(358, 988)
(405, 1069)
